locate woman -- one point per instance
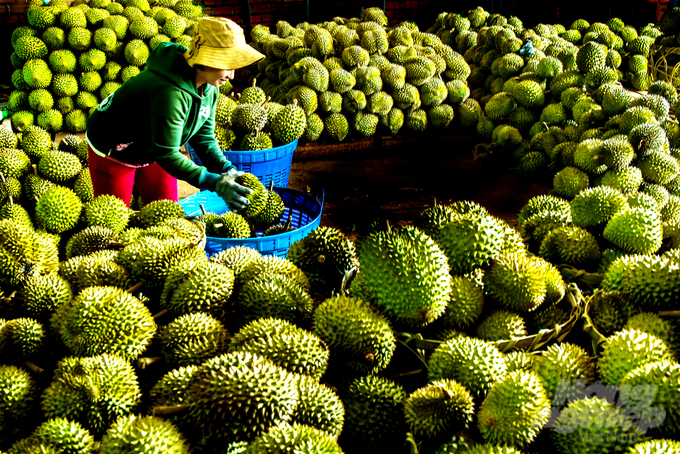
(135, 134)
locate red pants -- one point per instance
(112, 177)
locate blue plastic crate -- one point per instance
(304, 210)
(272, 164)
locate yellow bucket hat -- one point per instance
(220, 43)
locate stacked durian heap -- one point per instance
(119, 335)
(251, 121)
(146, 345)
(360, 77)
(72, 55)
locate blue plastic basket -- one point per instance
(272, 164)
(303, 208)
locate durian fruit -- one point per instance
(561, 368)
(293, 438)
(204, 287)
(501, 325)
(93, 391)
(414, 292)
(470, 241)
(439, 408)
(58, 210)
(593, 425)
(465, 303)
(151, 262)
(91, 323)
(519, 360)
(376, 399)
(289, 124)
(570, 244)
(650, 281)
(59, 434)
(326, 255)
(355, 334)
(514, 411)
(260, 396)
(652, 390)
(192, 339)
(272, 295)
(287, 345)
(491, 449)
(271, 212)
(236, 258)
(20, 338)
(42, 294)
(142, 434)
(651, 323)
(89, 240)
(652, 446)
(474, 363)
(517, 281)
(24, 252)
(257, 199)
(319, 407)
(106, 211)
(158, 211)
(628, 349)
(19, 393)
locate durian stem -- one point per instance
(169, 410)
(202, 209)
(35, 169)
(254, 81)
(143, 363)
(271, 185)
(160, 314)
(33, 368)
(2, 177)
(135, 287)
(9, 297)
(405, 374)
(673, 314)
(412, 443)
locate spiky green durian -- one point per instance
(158, 211)
(501, 325)
(42, 294)
(653, 446)
(326, 255)
(58, 209)
(193, 338)
(379, 400)
(386, 275)
(570, 244)
(627, 350)
(106, 211)
(465, 304)
(92, 391)
(236, 258)
(206, 288)
(474, 363)
(59, 167)
(90, 324)
(267, 398)
(16, 400)
(594, 425)
(636, 230)
(569, 182)
(290, 347)
(143, 434)
(319, 407)
(517, 281)
(595, 206)
(59, 434)
(20, 338)
(515, 410)
(291, 438)
(437, 408)
(559, 367)
(367, 349)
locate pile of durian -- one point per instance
(72, 55)
(360, 77)
(119, 334)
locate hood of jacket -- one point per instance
(168, 61)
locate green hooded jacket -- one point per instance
(156, 112)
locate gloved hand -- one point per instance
(233, 194)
